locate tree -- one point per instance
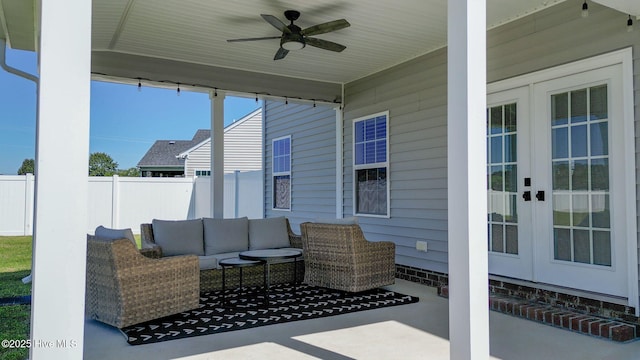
(131, 172)
(101, 164)
(28, 167)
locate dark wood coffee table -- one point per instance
(270, 256)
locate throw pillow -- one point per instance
(113, 234)
(225, 235)
(268, 233)
(183, 237)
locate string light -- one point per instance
(314, 102)
(178, 89)
(286, 101)
(585, 9)
(629, 24)
(215, 92)
(256, 98)
(139, 85)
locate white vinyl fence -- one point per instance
(127, 202)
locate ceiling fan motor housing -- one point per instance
(293, 40)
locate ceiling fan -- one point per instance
(295, 38)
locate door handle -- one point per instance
(526, 196)
(540, 195)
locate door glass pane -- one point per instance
(581, 247)
(599, 139)
(559, 143)
(600, 211)
(559, 109)
(496, 149)
(600, 174)
(502, 173)
(598, 101)
(580, 175)
(562, 244)
(579, 106)
(562, 210)
(560, 175)
(578, 141)
(602, 248)
(496, 120)
(510, 118)
(512, 239)
(497, 238)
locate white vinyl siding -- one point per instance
(242, 147)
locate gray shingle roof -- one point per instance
(164, 152)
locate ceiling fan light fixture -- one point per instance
(292, 43)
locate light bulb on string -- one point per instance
(585, 9)
(629, 24)
(139, 85)
(178, 91)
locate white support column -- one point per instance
(339, 164)
(60, 228)
(467, 189)
(217, 154)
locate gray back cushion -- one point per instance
(183, 237)
(225, 235)
(268, 233)
(114, 234)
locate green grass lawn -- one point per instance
(15, 263)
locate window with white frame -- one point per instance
(203, 172)
(281, 172)
(371, 165)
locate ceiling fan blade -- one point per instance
(281, 54)
(326, 27)
(276, 23)
(254, 39)
(324, 44)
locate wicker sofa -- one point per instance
(225, 238)
(126, 288)
(338, 256)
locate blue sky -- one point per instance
(124, 121)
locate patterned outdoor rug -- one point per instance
(245, 308)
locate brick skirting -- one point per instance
(576, 313)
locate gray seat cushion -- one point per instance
(225, 235)
(209, 262)
(183, 237)
(268, 233)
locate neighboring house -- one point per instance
(180, 158)
(242, 148)
(561, 160)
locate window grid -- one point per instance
(581, 218)
(281, 173)
(370, 164)
(502, 180)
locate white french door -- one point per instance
(578, 159)
(509, 216)
(558, 182)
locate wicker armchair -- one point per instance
(339, 257)
(126, 288)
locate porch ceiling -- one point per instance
(185, 41)
(381, 35)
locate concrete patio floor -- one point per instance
(414, 331)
